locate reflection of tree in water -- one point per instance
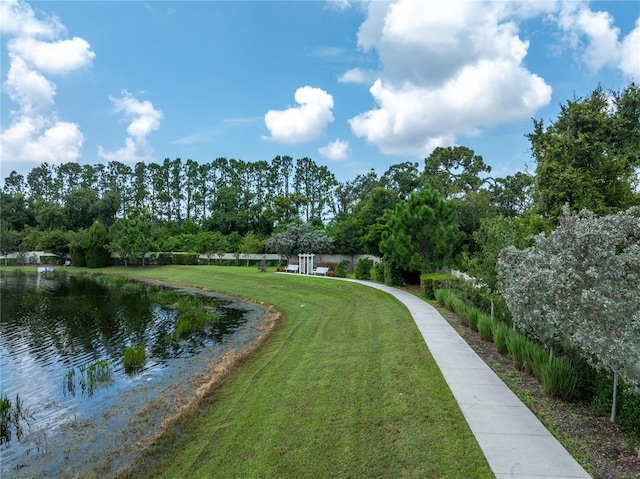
(95, 316)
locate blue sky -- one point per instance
(352, 85)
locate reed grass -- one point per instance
(517, 344)
(501, 332)
(559, 378)
(485, 326)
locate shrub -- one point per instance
(441, 296)
(78, 257)
(392, 274)
(558, 378)
(341, 269)
(450, 300)
(164, 259)
(537, 359)
(433, 281)
(458, 306)
(473, 317)
(517, 347)
(134, 358)
(603, 393)
(485, 326)
(363, 268)
(501, 332)
(481, 298)
(628, 410)
(628, 418)
(185, 258)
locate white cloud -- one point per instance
(357, 75)
(335, 150)
(40, 139)
(35, 134)
(29, 89)
(302, 123)
(18, 18)
(144, 119)
(630, 61)
(131, 152)
(53, 57)
(596, 40)
(448, 70)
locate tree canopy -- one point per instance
(589, 157)
(422, 233)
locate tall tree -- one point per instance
(69, 178)
(315, 184)
(373, 214)
(514, 194)
(80, 209)
(14, 184)
(40, 181)
(346, 233)
(281, 175)
(422, 233)
(140, 186)
(176, 189)
(191, 182)
(350, 193)
(202, 195)
(455, 170)
(131, 237)
(14, 211)
(119, 180)
(95, 244)
(403, 178)
(8, 239)
(588, 158)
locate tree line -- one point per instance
(588, 158)
(560, 246)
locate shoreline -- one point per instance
(117, 440)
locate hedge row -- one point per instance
(564, 376)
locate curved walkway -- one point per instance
(513, 440)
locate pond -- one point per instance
(75, 408)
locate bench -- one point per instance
(321, 270)
(291, 268)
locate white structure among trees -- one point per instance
(305, 260)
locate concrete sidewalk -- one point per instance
(513, 440)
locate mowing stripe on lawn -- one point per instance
(345, 387)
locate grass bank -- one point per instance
(345, 387)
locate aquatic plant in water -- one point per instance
(13, 417)
(134, 358)
(96, 374)
(192, 318)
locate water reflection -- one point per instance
(60, 333)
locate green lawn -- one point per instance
(345, 387)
